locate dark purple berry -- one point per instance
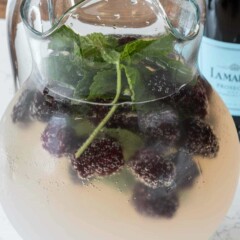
(160, 83)
(103, 157)
(34, 104)
(191, 100)
(124, 117)
(152, 169)
(162, 124)
(205, 84)
(98, 111)
(58, 92)
(186, 170)
(126, 40)
(20, 111)
(58, 137)
(200, 138)
(44, 107)
(45, 91)
(155, 202)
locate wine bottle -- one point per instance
(219, 57)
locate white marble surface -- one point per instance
(228, 230)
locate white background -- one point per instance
(230, 228)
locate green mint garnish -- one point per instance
(103, 86)
(106, 118)
(130, 141)
(98, 67)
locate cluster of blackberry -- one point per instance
(160, 176)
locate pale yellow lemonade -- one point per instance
(44, 198)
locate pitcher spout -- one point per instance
(43, 17)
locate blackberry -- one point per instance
(163, 125)
(58, 92)
(191, 100)
(97, 112)
(43, 107)
(103, 157)
(152, 169)
(126, 40)
(186, 170)
(200, 139)
(20, 111)
(205, 84)
(58, 137)
(33, 104)
(155, 202)
(160, 83)
(124, 117)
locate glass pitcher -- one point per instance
(114, 134)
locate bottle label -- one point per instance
(219, 62)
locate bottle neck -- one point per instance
(223, 20)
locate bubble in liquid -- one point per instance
(134, 2)
(117, 16)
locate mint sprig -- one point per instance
(97, 67)
(107, 117)
(103, 85)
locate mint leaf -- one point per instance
(64, 62)
(82, 87)
(123, 180)
(132, 78)
(82, 127)
(111, 56)
(134, 47)
(104, 85)
(161, 52)
(134, 55)
(64, 68)
(129, 141)
(64, 39)
(162, 46)
(92, 46)
(136, 84)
